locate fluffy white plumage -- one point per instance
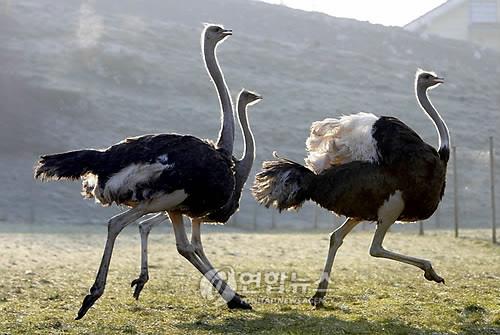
(339, 141)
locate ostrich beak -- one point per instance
(439, 80)
(227, 32)
(255, 99)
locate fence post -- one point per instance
(234, 219)
(438, 218)
(255, 216)
(32, 203)
(273, 219)
(492, 180)
(455, 189)
(316, 208)
(421, 228)
(31, 211)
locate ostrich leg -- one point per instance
(115, 226)
(387, 215)
(198, 246)
(196, 242)
(376, 250)
(186, 249)
(144, 229)
(336, 240)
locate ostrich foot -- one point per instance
(89, 300)
(237, 303)
(317, 301)
(139, 285)
(431, 275)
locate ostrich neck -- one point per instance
(442, 129)
(244, 165)
(226, 133)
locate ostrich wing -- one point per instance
(339, 141)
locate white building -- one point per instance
(477, 21)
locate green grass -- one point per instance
(45, 273)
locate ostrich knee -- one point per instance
(336, 240)
(186, 250)
(115, 226)
(144, 229)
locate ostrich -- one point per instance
(366, 168)
(242, 170)
(177, 174)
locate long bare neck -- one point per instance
(226, 133)
(442, 129)
(244, 165)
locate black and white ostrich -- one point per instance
(366, 168)
(177, 174)
(242, 169)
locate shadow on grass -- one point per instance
(299, 323)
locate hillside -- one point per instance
(87, 74)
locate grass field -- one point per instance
(46, 272)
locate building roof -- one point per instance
(433, 14)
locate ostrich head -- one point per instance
(214, 33)
(248, 97)
(427, 79)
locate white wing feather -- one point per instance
(340, 141)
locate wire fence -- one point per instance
(469, 202)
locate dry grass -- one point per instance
(46, 272)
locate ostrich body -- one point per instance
(366, 168)
(242, 169)
(177, 174)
